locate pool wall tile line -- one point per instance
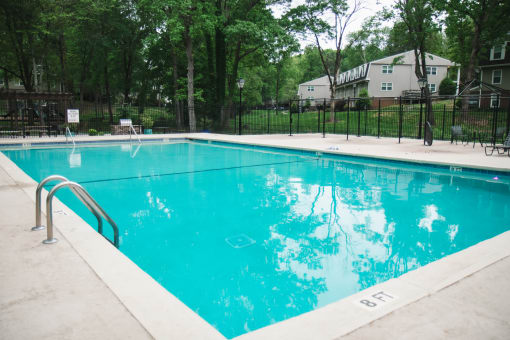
(339, 155)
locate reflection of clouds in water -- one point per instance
(159, 204)
(431, 215)
(349, 223)
(452, 231)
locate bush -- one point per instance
(308, 103)
(363, 101)
(92, 132)
(447, 87)
(147, 121)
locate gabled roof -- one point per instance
(317, 81)
(407, 58)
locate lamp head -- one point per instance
(422, 83)
(240, 83)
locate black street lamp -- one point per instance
(427, 136)
(240, 84)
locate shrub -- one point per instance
(447, 87)
(92, 132)
(363, 101)
(147, 121)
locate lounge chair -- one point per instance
(458, 134)
(500, 148)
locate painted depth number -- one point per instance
(376, 300)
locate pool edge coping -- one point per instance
(318, 322)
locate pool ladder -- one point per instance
(82, 195)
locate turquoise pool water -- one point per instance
(248, 237)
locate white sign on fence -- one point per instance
(126, 122)
(73, 115)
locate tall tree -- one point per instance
(418, 16)
(308, 19)
(473, 23)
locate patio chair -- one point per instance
(458, 134)
(500, 148)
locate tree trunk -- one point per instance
(221, 72)
(177, 101)
(191, 66)
(61, 55)
(211, 89)
(107, 89)
(232, 83)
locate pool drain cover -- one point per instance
(239, 241)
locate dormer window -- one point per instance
(311, 89)
(498, 52)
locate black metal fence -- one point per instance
(484, 118)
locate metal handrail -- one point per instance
(89, 202)
(131, 128)
(70, 135)
(38, 225)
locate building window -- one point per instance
(496, 76)
(311, 88)
(386, 86)
(432, 88)
(387, 69)
(494, 100)
(432, 70)
(498, 52)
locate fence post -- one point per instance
(290, 119)
(359, 121)
(495, 120)
(444, 118)
(507, 116)
(267, 120)
(400, 119)
(334, 117)
(348, 111)
(421, 119)
(298, 115)
(453, 119)
(240, 120)
(319, 120)
(379, 120)
(366, 118)
(324, 122)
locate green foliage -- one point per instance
(147, 121)
(363, 101)
(308, 103)
(92, 132)
(447, 87)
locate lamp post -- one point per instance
(427, 136)
(240, 84)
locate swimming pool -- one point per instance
(247, 236)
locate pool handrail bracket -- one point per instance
(83, 196)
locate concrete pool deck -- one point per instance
(82, 288)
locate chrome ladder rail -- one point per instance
(38, 224)
(131, 128)
(70, 135)
(83, 196)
